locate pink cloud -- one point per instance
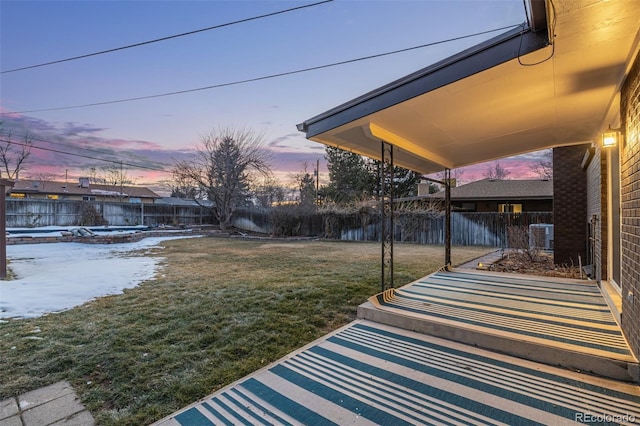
(519, 167)
(125, 143)
(4, 114)
(83, 140)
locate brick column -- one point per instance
(569, 205)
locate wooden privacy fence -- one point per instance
(468, 229)
(281, 222)
(33, 212)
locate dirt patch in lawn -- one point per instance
(542, 264)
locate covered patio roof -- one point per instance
(519, 92)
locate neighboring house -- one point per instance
(502, 196)
(82, 190)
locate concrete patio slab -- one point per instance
(56, 404)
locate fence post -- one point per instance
(4, 183)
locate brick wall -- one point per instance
(630, 190)
(569, 204)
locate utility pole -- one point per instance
(121, 183)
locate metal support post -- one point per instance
(386, 204)
(447, 242)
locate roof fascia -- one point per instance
(503, 48)
(506, 197)
(494, 198)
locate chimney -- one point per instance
(84, 182)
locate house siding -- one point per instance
(630, 192)
(570, 204)
(74, 197)
(597, 215)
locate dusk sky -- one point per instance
(155, 132)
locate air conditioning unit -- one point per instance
(541, 236)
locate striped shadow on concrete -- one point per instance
(556, 321)
(368, 373)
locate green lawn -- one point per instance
(218, 310)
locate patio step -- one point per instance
(558, 322)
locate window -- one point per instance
(88, 198)
(468, 206)
(510, 208)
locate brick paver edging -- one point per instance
(98, 239)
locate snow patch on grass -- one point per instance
(54, 277)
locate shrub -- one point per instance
(286, 221)
(89, 216)
(518, 237)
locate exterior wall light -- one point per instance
(611, 137)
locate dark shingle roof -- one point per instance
(175, 201)
(31, 186)
(496, 189)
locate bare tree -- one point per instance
(14, 155)
(305, 183)
(42, 176)
(268, 192)
(113, 174)
(543, 167)
(182, 187)
(496, 171)
(455, 175)
(224, 167)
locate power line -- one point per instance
(143, 43)
(138, 166)
(267, 77)
(96, 151)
